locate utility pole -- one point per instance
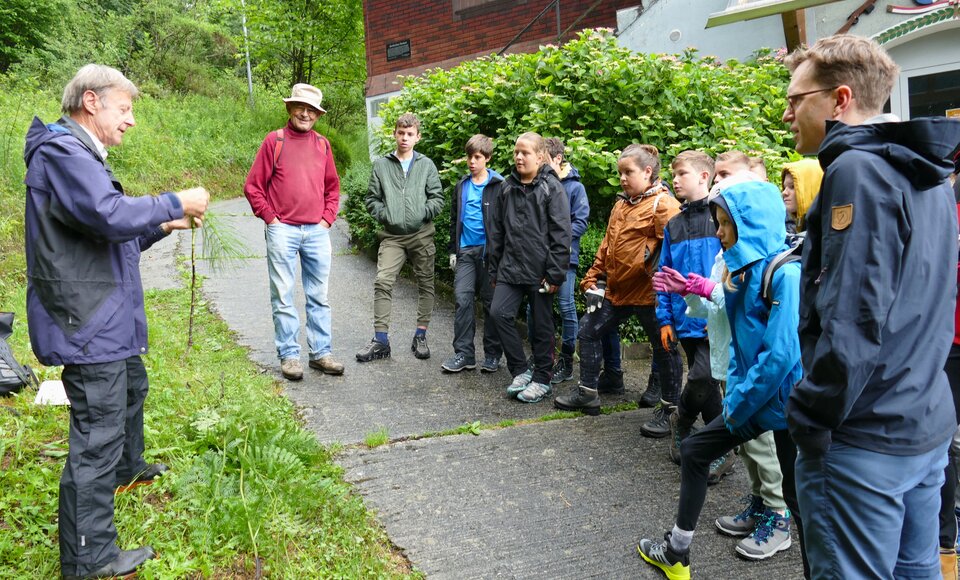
(246, 46)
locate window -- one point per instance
(469, 8)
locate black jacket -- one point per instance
(529, 238)
(489, 198)
(877, 291)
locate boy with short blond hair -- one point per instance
(404, 196)
(471, 207)
(728, 163)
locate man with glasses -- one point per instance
(872, 416)
(294, 188)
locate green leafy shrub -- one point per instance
(353, 186)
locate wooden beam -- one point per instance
(794, 29)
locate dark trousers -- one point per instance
(948, 521)
(712, 442)
(701, 395)
(106, 444)
(599, 323)
(471, 281)
(504, 308)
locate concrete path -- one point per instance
(557, 499)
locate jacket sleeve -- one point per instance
(857, 279)
(258, 178)
(666, 209)
(83, 197)
(374, 199)
(779, 351)
(496, 234)
(331, 187)
(579, 211)
(434, 191)
(665, 299)
(454, 216)
(558, 234)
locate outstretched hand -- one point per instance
(669, 280)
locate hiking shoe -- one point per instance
(677, 434)
(611, 383)
(651, 396)
(720, 468)
(659, 426)
(956, 512)
(327, 365)
(149, 474)
(771, 535)
(291, 369)
(519, 383)
(490, 364)
(562, 371)
(458, 362)
(373, 351)
(419, 346)
(744, 522)
(661, 555)
(582, 399)
(124, 565)
(535, 392)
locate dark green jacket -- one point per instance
(404, 203)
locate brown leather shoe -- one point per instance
(327, 365)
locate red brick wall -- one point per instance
(438, 36)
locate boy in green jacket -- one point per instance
(404, 196)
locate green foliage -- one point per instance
(24, 26)
(353, 185)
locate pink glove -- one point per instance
(669, 280)
(697, 284)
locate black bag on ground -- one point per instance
(13, 375)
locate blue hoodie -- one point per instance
(579, 209)
(765, 358)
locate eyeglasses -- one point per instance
(794, 100)
(297, 109)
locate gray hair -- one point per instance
(97, 78)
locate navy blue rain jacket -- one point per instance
(878, 291)
(579, 211)
(83, 244)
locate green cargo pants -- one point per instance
(394, 251)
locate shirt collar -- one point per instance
(96, 142)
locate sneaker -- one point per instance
(419, 346)
(651, 396)
(291, 369)
(677, 434)
(720, 468)
(491, 364)
(582, 399)
(373, 351)
(519, 383)
(327, 365)
(771, 535)
(659, 426)
(457, 363)
(611, 383)
(744, 522)
(528, 374)
(535, 392)
(562, 371)
(661, 555)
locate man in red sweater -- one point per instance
(294, 188)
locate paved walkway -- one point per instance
(556, 499)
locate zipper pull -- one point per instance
(820, 277)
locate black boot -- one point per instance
(651, 396)
(659, 426)
(582, 399)
(125, 563)
(563, 370)
(610, 382)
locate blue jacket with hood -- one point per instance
(878, 291)
(579, 208)
(83, 243)
(765, 353)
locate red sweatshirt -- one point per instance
(303, 188)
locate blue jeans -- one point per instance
(310, 244)
(869, 514)
(568, 312)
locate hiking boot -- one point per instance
(562, 371)
(659, 426)
(678, 433)
(535, 392)
(659, 554)
(611, 383)
(582, 399)
(651, 396)
(149, 474)
(458, 362)
(124, 564)
(519, 383)
(771, 535)
(490, 364)
(327, 365)
(419, 346)
(291, 369)
(373, 351)
(744, 522)
(720, 468)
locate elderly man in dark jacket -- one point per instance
(871, 416)
(85, 306)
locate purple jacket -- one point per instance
(83, 243)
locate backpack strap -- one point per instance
(278, 148)
(791, 254)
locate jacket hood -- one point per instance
(495, 177)
(807, 175)
(919, 148)
(568, 172)
(38, 134)
(757, 210)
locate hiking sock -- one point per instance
(420, 332)
(381, 337)
(680, 540)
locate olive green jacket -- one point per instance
(404, 203)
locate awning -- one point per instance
(740, 10)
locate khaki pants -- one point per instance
(394, 251)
